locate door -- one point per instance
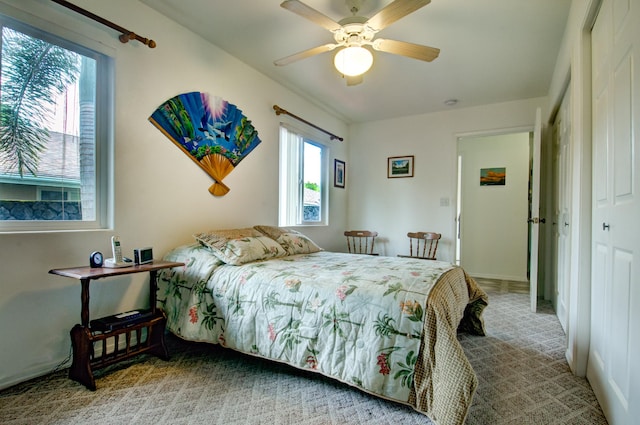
(612, 368)
(562, 226)
(534, 211)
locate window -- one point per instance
(303, 180)
(55, 146)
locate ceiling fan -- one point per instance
(351, 34)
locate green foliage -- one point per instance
(210, 317)
(291, 334)
(334, 319)
(385, 326)
(205, 150)
(34, 72)
(406, 370)
(312, 186)
(245, 133)
(272, 301)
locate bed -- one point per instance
(386, 325)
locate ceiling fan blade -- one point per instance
(305, 54)
(415, 51)
(311, 14)
(394, 11)
(352, 81)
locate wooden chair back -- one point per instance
(360, 241)
(423, 245)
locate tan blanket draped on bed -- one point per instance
(441, 357)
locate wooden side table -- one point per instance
(83, 337)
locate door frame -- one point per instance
(478, 134)
(578, 76)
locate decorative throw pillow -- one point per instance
(240, 246)
(291, 240)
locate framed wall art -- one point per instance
(493, 176)
(400, 166)
(339, 173)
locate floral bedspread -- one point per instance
(356, 318)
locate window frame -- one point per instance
(291, 178)
(104, 121)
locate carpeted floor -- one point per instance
(524, 379)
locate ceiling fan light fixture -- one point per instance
(353, 61)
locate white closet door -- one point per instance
(563, 209)
(613, 368)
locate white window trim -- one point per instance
(292, 215)
(104, 129)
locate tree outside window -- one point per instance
(48, 150)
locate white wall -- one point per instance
(37, 310)
(494, 224)
(394, 207)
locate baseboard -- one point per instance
(568, 354)
(31, 373)
(498, 277)
(46, 368)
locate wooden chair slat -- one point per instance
(426, 245)
(361, 241)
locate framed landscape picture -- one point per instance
(493, 176)
(400, 166)
(339, 171)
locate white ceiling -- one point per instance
(491, 51)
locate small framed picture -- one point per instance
(493, 176)
(400, 166)
(339, 173)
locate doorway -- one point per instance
(493, 205)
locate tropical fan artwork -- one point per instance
(211, 131)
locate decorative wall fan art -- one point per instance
(211, 131)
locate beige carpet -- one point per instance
(523, 376)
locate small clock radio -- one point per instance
(143, 255)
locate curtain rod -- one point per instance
(279, 111)
(124, 37)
